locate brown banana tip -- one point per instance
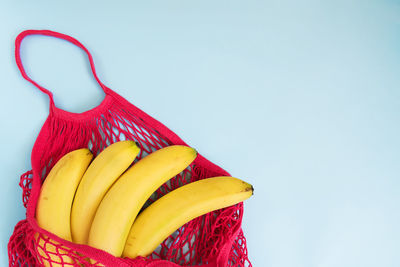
(250, 189)
(137, 143)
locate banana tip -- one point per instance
(251, 188)
(137, 143)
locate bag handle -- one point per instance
(65, 37)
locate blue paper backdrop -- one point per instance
(300, 98)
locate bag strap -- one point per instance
(65, 37)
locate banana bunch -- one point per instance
(98, 202)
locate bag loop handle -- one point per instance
(65, 37)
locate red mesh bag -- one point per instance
(215, 239)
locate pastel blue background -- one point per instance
(300, 98)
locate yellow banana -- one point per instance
(167, 214)
(52, 253)
(53, 211)
(105, 169)
(121, 204)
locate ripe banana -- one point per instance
(52, 253)
(53, 211)
(121, 204)
(105, 169)
(180, 206)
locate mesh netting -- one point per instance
(212, 239)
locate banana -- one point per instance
(52, 253)
(121, 204)
(53, 210)
(105, 169)
(170, 212)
